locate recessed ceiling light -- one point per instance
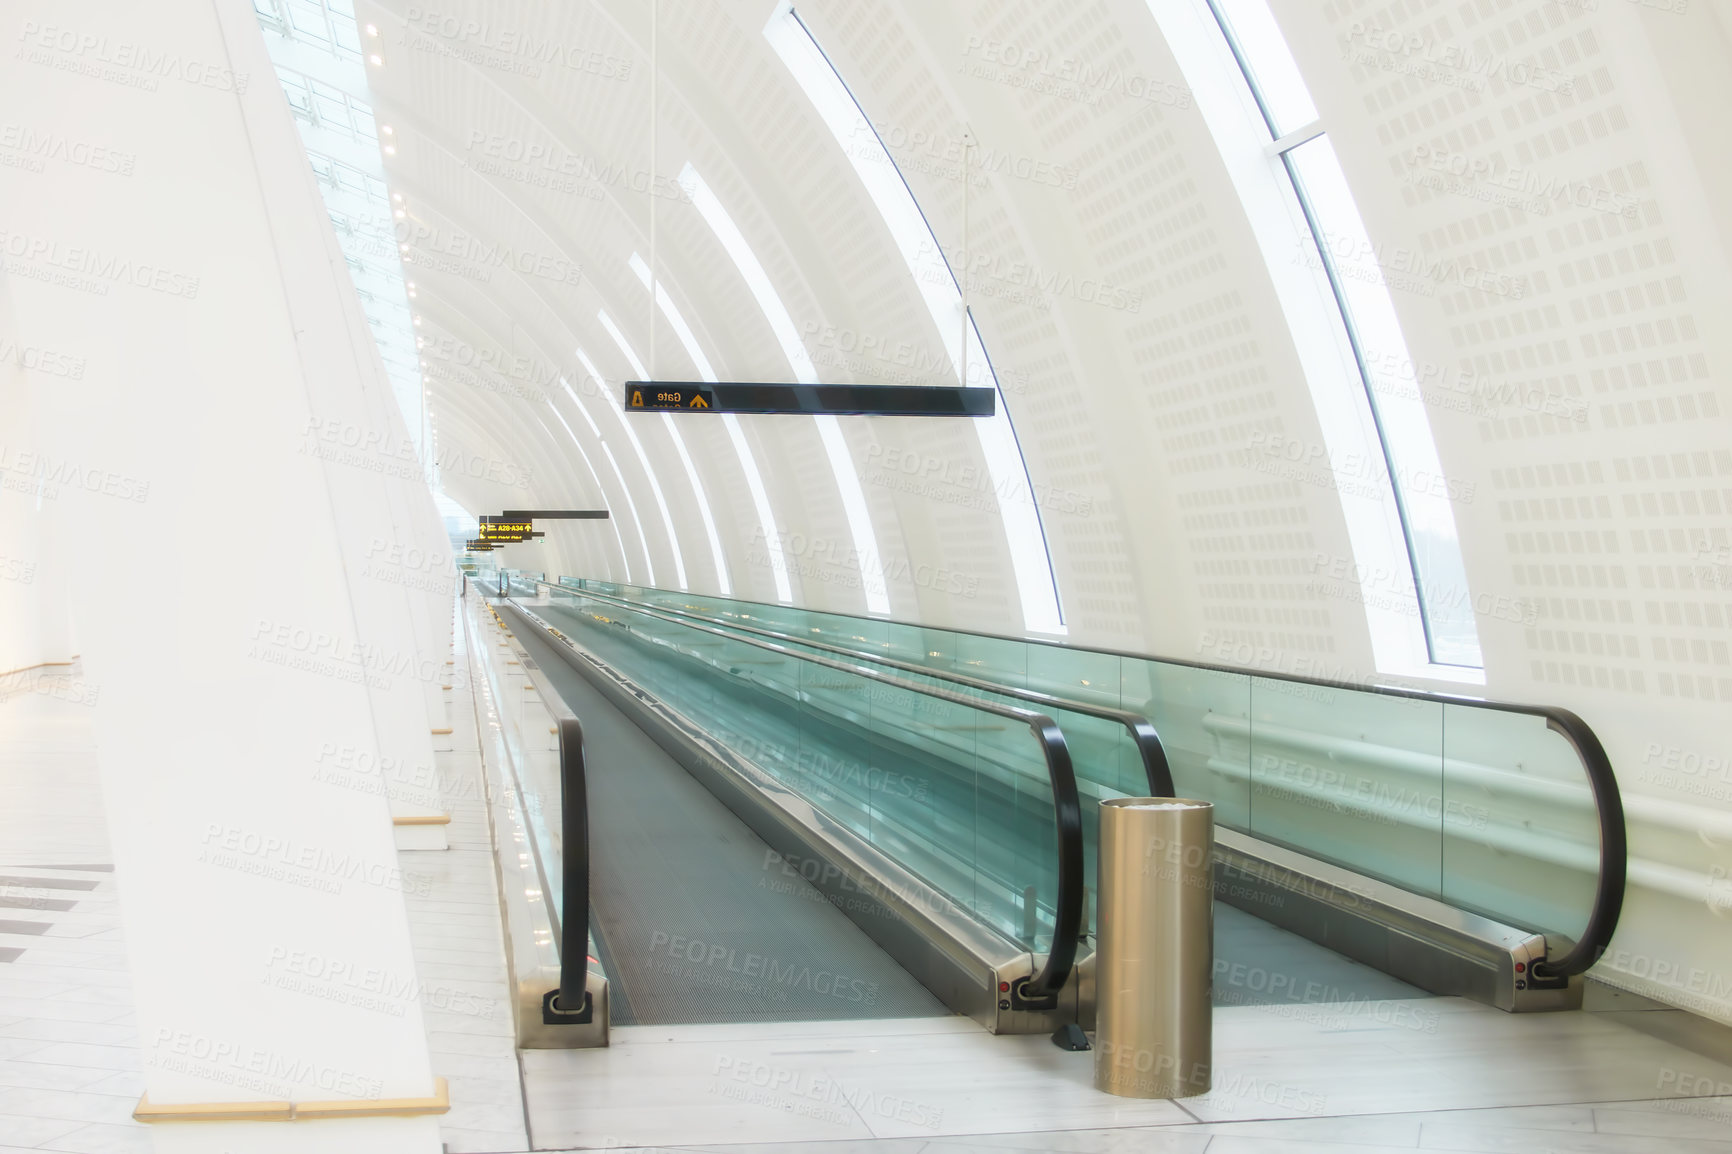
(372, 30)
(376, 58)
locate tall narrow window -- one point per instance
(1381, 452)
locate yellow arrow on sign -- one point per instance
(698, 402)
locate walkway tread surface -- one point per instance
(696, 918)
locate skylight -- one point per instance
(1399, 523)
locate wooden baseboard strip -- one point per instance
(439, 1103)
(41, 665)
(423, 819)
(148, 1111)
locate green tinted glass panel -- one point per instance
(1487, 809)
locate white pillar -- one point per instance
(377, 482)
(34, 637)
(212, 568)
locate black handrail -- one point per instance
(571, 1004)
(1142, 731)
(1596, 766)
(1040, 991)
(1614, 851)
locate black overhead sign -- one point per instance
(507, 530)
(841, 400)
(517, 525)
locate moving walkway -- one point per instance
(918, 779)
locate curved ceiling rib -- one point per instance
(733, 242)
(637, 445)
(560, 242)
(613, 522)
(742, 450)
(449, 185)
(613, 462)
(837, 454)
(816, 76)
(433, 301)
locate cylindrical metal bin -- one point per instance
(1155, 955)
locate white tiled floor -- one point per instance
(69, 1075)
(1479, 1080)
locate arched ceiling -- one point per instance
(1569, 156)
(1114, 276)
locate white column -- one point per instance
(376, 479)
(34, 639)
(250, 682)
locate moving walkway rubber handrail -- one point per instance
(1043, 987)
(1142, 731)
(571, 1001)
(1609, 887)
(1614, 842)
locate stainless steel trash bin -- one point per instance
(1155, 955)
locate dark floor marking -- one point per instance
(22, 927)
(101, 869)
(49, 883)
(35, 904)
